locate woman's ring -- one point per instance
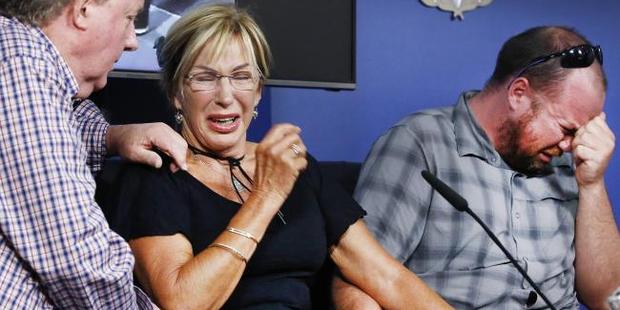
(296, 149)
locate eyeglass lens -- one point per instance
(208, 81)
(581, 56)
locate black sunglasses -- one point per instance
(581, 56)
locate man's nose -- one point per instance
(131, 44)
(566, 144)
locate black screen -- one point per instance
(312, 41)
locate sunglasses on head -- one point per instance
(581, 56)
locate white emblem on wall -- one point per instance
(457, 7)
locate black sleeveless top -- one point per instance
(155, 202)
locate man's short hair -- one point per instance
(519, 50)
(34, 12)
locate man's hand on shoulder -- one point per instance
(136, 142)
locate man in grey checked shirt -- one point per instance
(56, 250)
(529, 153)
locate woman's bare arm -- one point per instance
(363, 262)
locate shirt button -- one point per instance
(524, 265)
(517, 215)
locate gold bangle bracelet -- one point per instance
(230, 250)
(242, 233)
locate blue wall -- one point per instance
(410, 57)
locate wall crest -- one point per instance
(457, 7)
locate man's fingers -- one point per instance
(171, 143)
(147, 157)
(583, 153)
(595, 134)
(138, 142)
(178, 153)
(174, 167)
(592, 147)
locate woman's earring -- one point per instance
(255, 113)
(178, 117)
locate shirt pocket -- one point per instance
(543, 220)
(560, 185)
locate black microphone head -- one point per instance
(445, 191)
(531, 299)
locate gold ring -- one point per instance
(296, 149)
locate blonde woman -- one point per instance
(248, 225)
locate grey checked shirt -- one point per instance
(534, 217)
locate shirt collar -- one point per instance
(470, 137)
(68, 76)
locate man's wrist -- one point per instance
(112, 132)
(592, 187)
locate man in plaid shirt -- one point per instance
(56, 250)
(529, 153)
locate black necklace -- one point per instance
(236, 184)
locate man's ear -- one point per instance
(520, 95)
(82, 13)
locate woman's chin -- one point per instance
(222, 142)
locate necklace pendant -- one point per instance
(238, 186)
(281, 216)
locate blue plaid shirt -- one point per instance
(534, 217)
(55, 240)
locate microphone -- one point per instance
(459, 203)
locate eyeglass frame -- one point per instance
(596, 50)
(218, 77)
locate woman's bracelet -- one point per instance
(242, 233)
(230, 250)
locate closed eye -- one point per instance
(569, 131)
(205, 77)
(244, 75)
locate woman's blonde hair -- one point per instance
(218, 26)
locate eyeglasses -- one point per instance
(581, 56)
(207, 81)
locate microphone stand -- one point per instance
(461, 205)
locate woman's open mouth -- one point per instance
(224, 124)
